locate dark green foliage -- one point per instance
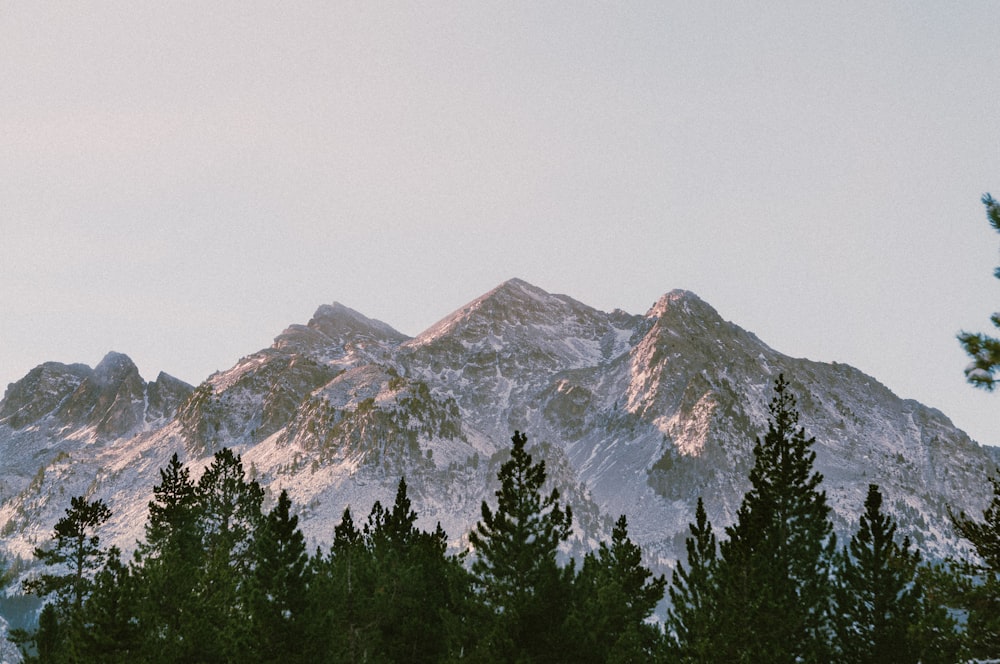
(229, 514)
(691, 619)
(878, 604)
(276, 593)
(522, 586)
(217, 580)
(614, 594)
(388, 592)
(76, 548)
(982, 348)
(774, 569)
(110, 634)
(982, 593)
(168, 563)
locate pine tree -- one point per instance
(982, 348)
(416, 595)
(515, 567)
(339, 611)
(774, 569)
(167, 567)
(691, 619)
(877, 603)
(110, 631)
(76, 547)
(982, 595)
(276, 592)
(228, 509)
(614, 595)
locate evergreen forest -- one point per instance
(219, 578)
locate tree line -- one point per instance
(219, 579)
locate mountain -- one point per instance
(634, 414)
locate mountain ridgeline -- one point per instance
(633, 414)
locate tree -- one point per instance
(276, 592)
(614, 595)
(167, 567)
(420, 587)
(388, 592)
(110, 631)
(691, 619)
(77, 547)
(982, 594)
(339, 615)
(515, 569)
(228, 509)
(774, 569)
(76, 550)
(982, 348)
(877, 600)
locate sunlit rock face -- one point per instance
(636, 414)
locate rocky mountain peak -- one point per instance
(334, 328)
(339, 322)
(679, 303)
(516, 310)
(109, 400)
(40, 392)
(114, 368)
(640, 414)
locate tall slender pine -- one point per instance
(691, 619)
(515, 564)
(774, 569)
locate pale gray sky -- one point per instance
(181, 180)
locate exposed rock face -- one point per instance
(111, 400)
(634, 414)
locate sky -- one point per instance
(180, 181)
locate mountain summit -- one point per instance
(636, 414)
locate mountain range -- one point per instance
(635, 414)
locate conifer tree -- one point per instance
(877, 602)
(983, 348)
(614, 595)
(339, 626)
(982, 594)
(75, 547)
(515, 568)
(110, 633)
(691, 620)
(228, 516)
(167, 568)
(774, 570)
(417, 593)
(276, 592)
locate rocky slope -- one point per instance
(634, 414)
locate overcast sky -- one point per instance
(179, 181)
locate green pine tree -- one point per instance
(877, 602)
(982, 593)
(276, 592)
(229, 513)
(167, 567)
(982, 348)
(340, 626)
(417, 599)
(75, 548)
(110, 633)
(691, 619)
(614, 595)
(774, 568)
(515, 567)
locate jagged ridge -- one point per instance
(635, 414)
